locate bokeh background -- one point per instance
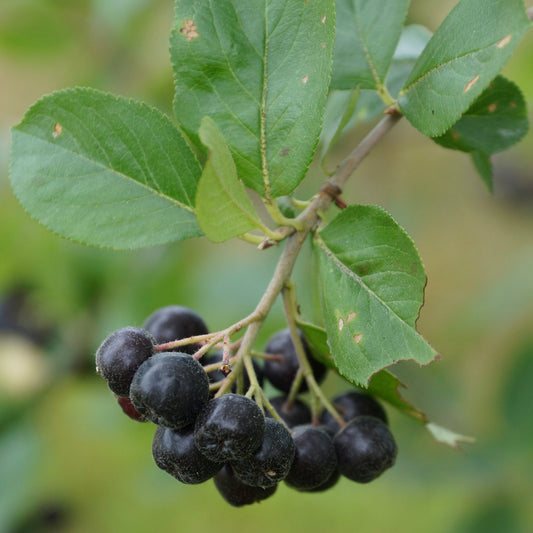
(71, 462)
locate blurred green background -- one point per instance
(71, 462)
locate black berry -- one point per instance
(295, 414)
(176, 322)
(315, 460)
(170, 389)
(349, 405)
(272, 461)
(229, 427)
(282, 373)
(175, 452)
(365, 449)
(237, 493)
(120, 355)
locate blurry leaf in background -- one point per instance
(35, 28)
(517, 401)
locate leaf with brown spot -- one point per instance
(464, 55)
(370, 271)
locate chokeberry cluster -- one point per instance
(213, 426)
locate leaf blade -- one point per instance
(463, 56)
(105, 171)
(372, 284)
(366, 37)
(223, 207)
(260, 69)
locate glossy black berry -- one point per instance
(170, 389)
(365, 449)
(295, 414)
(218, 375)
(328, 484)
(121, 354)
(282, 373)
(315, 460)
(175, 452)
(349, 405)
(229, 427)
(272, 461)
(176, 322)
(237, 493)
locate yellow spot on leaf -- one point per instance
(189, 29)
(324, 19)
(513, 104)
(455, 135)
(58, 130)
(493, 107)
(351, 316)
(505, 41)
(305, 79)
(341, 324)
(358, 337)
(323, 45)
(471, 83)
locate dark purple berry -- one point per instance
(365, 449)
(282, 373)
(315, 460)
(170, 389)
(175, 452)
(349, 405)
(121, 354)
(176, 322)
(295, 414)
(328, 484)
(237, 493)
(229, 427)
(272, 461)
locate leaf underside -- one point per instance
(104, 170)
(223, 207)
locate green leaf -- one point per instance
(484, 168)
(104, 170)
(465, 54)
(223, 207)
(494, 122)
(383, 385)
(366, 37)
(260, 69)
(386, 386)
(372, 287)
